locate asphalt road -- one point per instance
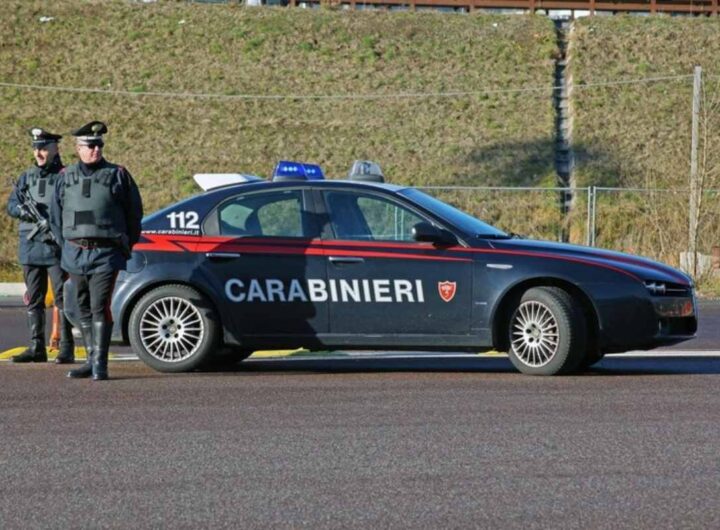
(361, 442)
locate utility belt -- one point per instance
(99, 242)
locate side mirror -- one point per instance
(432, 234)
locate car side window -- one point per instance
(369, 217)
(276, 214)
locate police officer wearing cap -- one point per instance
(40, 257)
(96, 214)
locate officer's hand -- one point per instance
(25, 214)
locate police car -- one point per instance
(300, 261)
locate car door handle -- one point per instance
(222, 255)
(345, 259)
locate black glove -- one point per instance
(25, 214)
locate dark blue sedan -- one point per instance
(299, 261)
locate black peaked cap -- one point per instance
(89, 132)
(41, 137)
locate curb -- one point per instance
(12, 289)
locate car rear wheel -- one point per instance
(173, 329)
(547, 332)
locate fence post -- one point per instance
(693, 213)
(594, 216)
(589, 215)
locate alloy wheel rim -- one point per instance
(534, 334)
(171, 329)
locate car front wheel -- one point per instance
(547, 332)
(173, 329)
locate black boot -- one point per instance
(85, 370)
(66, 355)
(36, 353)
(101, 344)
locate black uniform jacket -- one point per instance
(78, 260)
(35, 252)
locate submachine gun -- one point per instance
(29, 206)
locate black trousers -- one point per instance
(36, 281)
(94, 292)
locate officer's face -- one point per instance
(89, 154)
(45, 153)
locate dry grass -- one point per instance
(639, 135)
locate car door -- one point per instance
(262, 248)
(382, 281)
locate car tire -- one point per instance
(228, 358)
(173, 328)
(547, 332)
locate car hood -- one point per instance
(643, 268)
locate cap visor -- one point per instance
(91, 143)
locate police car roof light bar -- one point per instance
(208, 181)
(288, 170)
(367, 171)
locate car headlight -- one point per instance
(671, 300)
(660, 288)
(656, 288)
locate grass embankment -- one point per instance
(638, 135)
(176, 47)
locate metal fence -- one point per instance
(646, 222)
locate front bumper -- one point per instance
(645, 322)
(676, 319)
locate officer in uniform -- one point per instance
(38, 256)
(96, 214)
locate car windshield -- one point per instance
(462, 220)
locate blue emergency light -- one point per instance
(287, 170)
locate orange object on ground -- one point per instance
(54, 341)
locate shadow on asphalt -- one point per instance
(619, 366)
(670, 365)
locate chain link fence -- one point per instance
(645, 222)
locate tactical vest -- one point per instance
(41, 187)
(89, 208)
